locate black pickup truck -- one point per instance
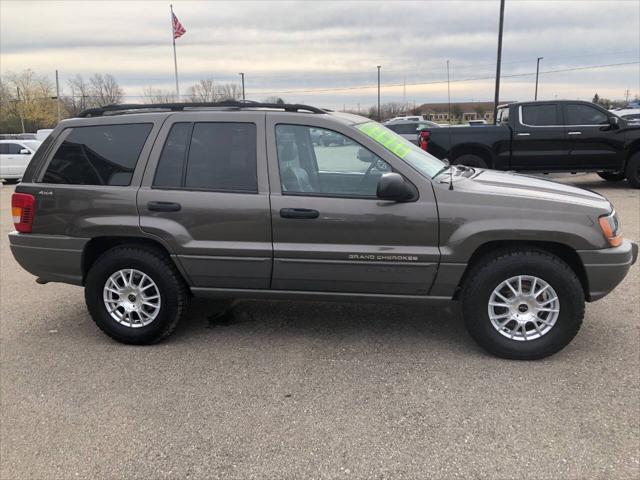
(554, 136)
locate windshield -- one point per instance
(425, 163)
(32, 144)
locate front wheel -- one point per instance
(523, 305)
(611, 176)
(135, 295)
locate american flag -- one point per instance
(178, 29)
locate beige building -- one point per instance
(461, 111)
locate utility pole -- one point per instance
(449, 95)
(404, 93)
(20, 110)
(496, 98)
(379, 116)
(242, 75)
(58, 94)
(537, 73)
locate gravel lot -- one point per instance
(290, 390)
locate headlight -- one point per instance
(610, 227)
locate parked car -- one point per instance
(409, 129)
(631, 115)
(556, 136)
(15, 155)
(145, 210)
(412, 118)
(476, 123)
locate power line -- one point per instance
(436, 82)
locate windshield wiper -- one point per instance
(442, 170)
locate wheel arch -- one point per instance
(99, 245)
(562, 251)
(472, 149)
(633, 149)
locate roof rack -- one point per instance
(124, 108)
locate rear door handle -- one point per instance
(575, 133)
(164, 206)
(299, 213)
(523, 134)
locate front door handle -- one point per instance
(575, 133)
(299, 213)
(164, 206)
(523, 134)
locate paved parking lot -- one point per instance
(291, 390)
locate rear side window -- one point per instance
(219, 156)
(98, 155)
(10, 148)
(172, 159)
(585, 115)
(540, 115)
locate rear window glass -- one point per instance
(171, 163)
(540, 115)
(222, 156)
(219, 156)
(98, 155)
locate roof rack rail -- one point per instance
(123, 108)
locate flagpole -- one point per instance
(175, 61)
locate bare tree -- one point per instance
(105, 89)
(229, 91)
(157, 95)
(203, 91)
(79, 97)
(277, 100)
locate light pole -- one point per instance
(537, 73)
(242, 75)
(379, 116)
(498, 63)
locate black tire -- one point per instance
(611, 176)
(633, 170)
(470, 161)
(172, 289)
(494, 269)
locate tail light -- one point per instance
(424, 139)
(23, 208)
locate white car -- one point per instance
(631, 115)
(15, 155)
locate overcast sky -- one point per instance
(297, 49)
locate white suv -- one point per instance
(15, 155)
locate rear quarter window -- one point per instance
(98, 155)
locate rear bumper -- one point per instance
(53, 258)
(606, 268)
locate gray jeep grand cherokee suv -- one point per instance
(145, 206)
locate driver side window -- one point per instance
(321, 162)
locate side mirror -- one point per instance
(365, 155)
(24, 151)
(393, 186)
(613, 121)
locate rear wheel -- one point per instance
(611, 176)
(470, 161)
(633, 170)
(135, 295)
(523, 305)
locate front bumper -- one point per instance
(606, 268)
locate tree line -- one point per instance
(28, 101)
